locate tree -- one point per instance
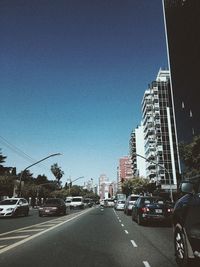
(57, 172)
(190, 156)
(135, 185)
(41, 179)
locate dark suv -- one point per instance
(186, 222)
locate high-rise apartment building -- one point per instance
(182, 22)
(162, 165)
(136, 147)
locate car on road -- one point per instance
(119, 204)
(109, 203)
(77, 202)
(52, 206)
(186, 224)
(151, 209)
(11, 207)
(129, 203)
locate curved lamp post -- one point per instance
(170, 184)
(21, 175)
(70, 184)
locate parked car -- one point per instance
(77, 203)
(119, 204)
(186, 224)
(151, 208)
(129, 203)
(88, 202)
(52, 206)
(14, 207)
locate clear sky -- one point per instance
(72, 77)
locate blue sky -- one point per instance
(73, 74)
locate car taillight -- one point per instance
(144, 209)
(169, 210)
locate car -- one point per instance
(52, 206)
(151, 209)
(119, 204)
(88, 202)
(186, 224)
(109, 203)
(11, 207)
(77, 202)
(129, 203)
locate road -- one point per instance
(93, 237)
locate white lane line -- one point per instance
(126, 231)
(122, 225)
(120, 221)
(2, 246)
(31, 230)
(38, 234)
(14, 237)
(146, 264)
(134, 244)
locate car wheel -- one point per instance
(180, 247)
(139, 220)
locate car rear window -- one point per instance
(76, 199)
(53, 201)
(134, 198)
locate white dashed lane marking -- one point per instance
(126, 231)
(133, 243)
(146, 264)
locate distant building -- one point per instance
(136, 147)
(160, 144)
(182, 22)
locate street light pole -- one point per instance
(170, 184)
(74, 181)
(21, 175)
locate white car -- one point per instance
(119, 204)
(129, 203)
(14, 207)
(77, 203)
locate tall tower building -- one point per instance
(160, 143)
(182, 22)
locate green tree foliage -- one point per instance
(41, 179)
(57, 172)
(135, 185)
(190, 156)
(6, 185)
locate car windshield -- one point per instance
(8, 202)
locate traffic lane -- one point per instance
(94, 239)
(12, 223)
(154, 240)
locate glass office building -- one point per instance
(182, 20)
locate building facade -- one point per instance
(162, 164)
(182, 22)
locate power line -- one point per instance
(19, 152)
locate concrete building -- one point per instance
(160, 143)
(136, 146)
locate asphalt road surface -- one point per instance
(93, 237)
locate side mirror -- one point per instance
(187, 187)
